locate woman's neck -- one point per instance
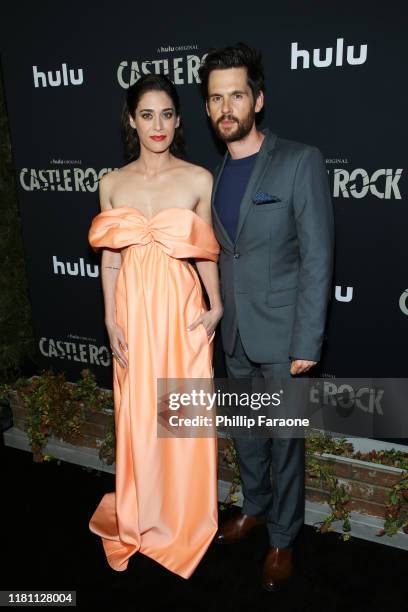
(153, 163)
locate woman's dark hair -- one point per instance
(236, 56)
(148, 82)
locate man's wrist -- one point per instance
(301, 359)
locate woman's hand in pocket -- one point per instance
(209, 320)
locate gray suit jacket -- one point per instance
(276, 277)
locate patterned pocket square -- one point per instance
(264, 198)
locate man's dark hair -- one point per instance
(236, 56)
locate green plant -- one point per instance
(107, 446)
(338, 495)
(391, 457)
(229, 456)
(393, 517)
(87, 392)
(317, 443)
(58, 408)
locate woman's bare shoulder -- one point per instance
(108, 184)
(108, 180)
(117, 173)
(197, 172)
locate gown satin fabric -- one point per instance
(165, 499)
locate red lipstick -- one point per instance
(158, 138)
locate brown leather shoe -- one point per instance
(277, 569)
(237, 528)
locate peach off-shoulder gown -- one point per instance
(165, 499)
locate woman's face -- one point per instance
(155, 120)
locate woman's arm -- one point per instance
(110, 265)
(208, 270)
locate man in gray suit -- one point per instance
(273, 218)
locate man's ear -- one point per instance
(259, 101)
(206, 107)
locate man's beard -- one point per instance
(243, 128)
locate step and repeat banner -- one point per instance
(333, 79)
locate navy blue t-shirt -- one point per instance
(231, 188)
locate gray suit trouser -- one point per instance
(283, 503)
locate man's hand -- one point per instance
(300, 366)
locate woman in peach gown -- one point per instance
(155, 216)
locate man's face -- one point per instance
(230, 103)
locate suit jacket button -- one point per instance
(236, 255)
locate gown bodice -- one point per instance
(179, 232)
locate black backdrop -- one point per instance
(335, 79)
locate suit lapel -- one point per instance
(257, 174)
(220, 225)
